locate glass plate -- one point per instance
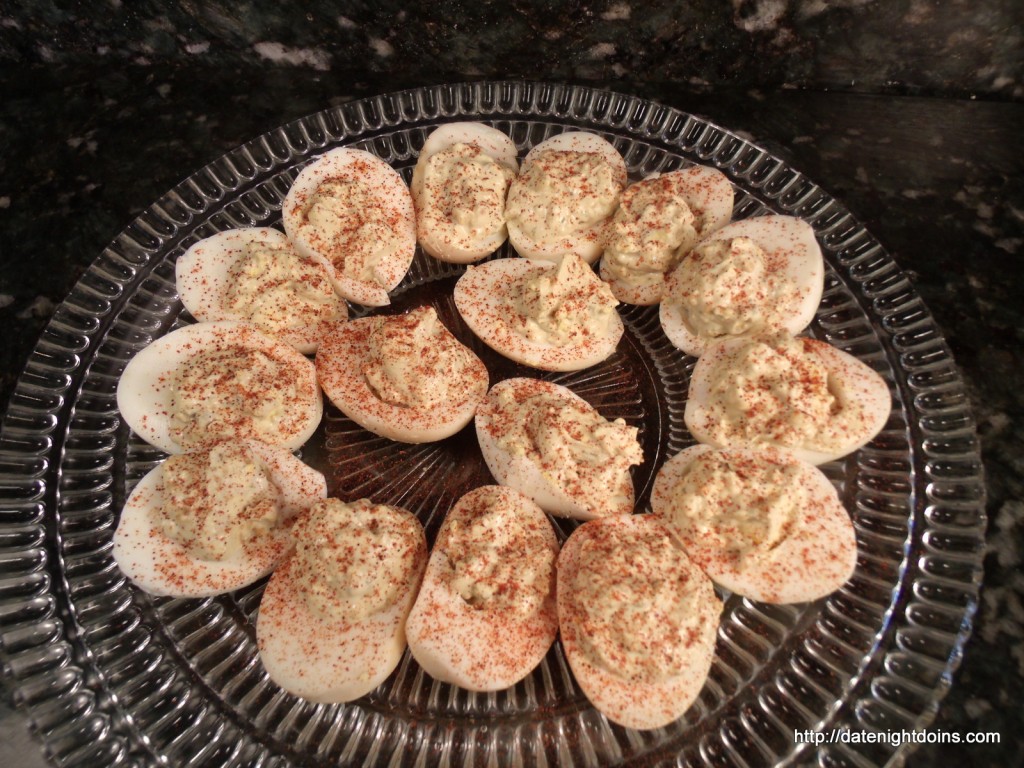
(109, 675)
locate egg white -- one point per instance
(709, 194)
(145, 389)
(479, 648)
(814, 559)
(784, 238)
(493, 143)
(203, 277)
(339, 365)
(631, 703)
(392, 195)
(587, 243)
(326, 660)
(483, 297)
(578, 141)
(526, 475)
(864, 385)
(161, 566)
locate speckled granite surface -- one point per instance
(101, 113)
(898, 46)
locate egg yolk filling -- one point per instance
(562, 192)
(576, 448)
(232, 392)
(738, 505)
(352, 224)
(416, 362)
(651, 230)
(640, 602)
(564, 304)
(276, 289)
(777, 390)
(353, 560)
(218, 503)
(497, 560)
(731, 288)
(463, 195)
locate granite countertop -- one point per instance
(937, 181)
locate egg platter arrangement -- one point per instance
(423, 416)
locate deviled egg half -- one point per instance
(459, 186)
(214, 520)
(553, 316)
(218, 381)
(485, 615)
(760, 522)
(404, 377)
(567, 188)
(550, 444)
(353, 212)
(751, 277)
(254, 275)
(331, 624)
(657, 222)
(801, 394)
(638, 619)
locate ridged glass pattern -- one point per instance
(111, 676)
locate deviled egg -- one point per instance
(404, 377)
(760, 522)
(219, 381)
(657, 222)
(459, 187)
(256, 276)
(801, 394)
(556, 317)
(331, 624)
(352, 211)
(485, 615)
(567, 188)
(638, 619)
(550, 444)
(215, 520)
(751, 277)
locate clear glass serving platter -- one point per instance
(109, 675)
